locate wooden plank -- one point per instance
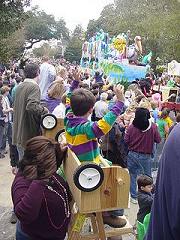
(100, 224)
(69, 166)
(76, 227)
(123, 188)
(108, 192)
(90, 236)
(51, 134)
(94, 224)
(114, 232)
(110, 195)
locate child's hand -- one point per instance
(76, 74)
(119, 91)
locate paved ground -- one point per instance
(7, 230)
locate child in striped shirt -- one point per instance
(82, 134)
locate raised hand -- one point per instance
(76, 74)
(119, 91)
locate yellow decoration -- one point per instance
(79, 222)
(119, 43)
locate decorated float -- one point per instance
(119, 57)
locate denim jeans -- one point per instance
(20, 235)
(116, 213)
(7, 135)
(1, 137)
(158, 152)
(138, 163)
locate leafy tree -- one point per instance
(74, 48)
(42, 26)
(62, 31)
(12, 46)
(47, 50)
(12, 15)
(33, 26)
(105, 22)
(157, 22)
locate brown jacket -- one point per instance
(27, 112)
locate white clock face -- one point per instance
(49, 122)
(89, 178)
(62, 138)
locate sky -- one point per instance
(73, 11)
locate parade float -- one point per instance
(119, 57)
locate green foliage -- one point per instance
(61, 30)
(160, 69)
(42, 26)
(12, 16)
(47, 50)
(111, 67)
(12, 39)
(157, 22)
(39, 26)
(74, 48)
(33, 26)
(12, 46)
(73, 51)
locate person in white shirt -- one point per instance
(101, 106)
(47, 76)
(7, 110)
(60, 110)
(87, 80)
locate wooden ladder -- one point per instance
(98, 232)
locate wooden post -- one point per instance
(100, 224)
(77, 224)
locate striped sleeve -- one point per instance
(103, 126)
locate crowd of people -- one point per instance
(127, 127)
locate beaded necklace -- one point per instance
(65, 201)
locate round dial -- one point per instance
(49, 121)
(88, 177)
(60, 137)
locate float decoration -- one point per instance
(118, 57)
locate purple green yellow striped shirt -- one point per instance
(82, 134)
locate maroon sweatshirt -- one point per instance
(40, 211)
(142, 141)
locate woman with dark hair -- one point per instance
(40, 196)
(140, 137)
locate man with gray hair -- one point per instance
(101, 106)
